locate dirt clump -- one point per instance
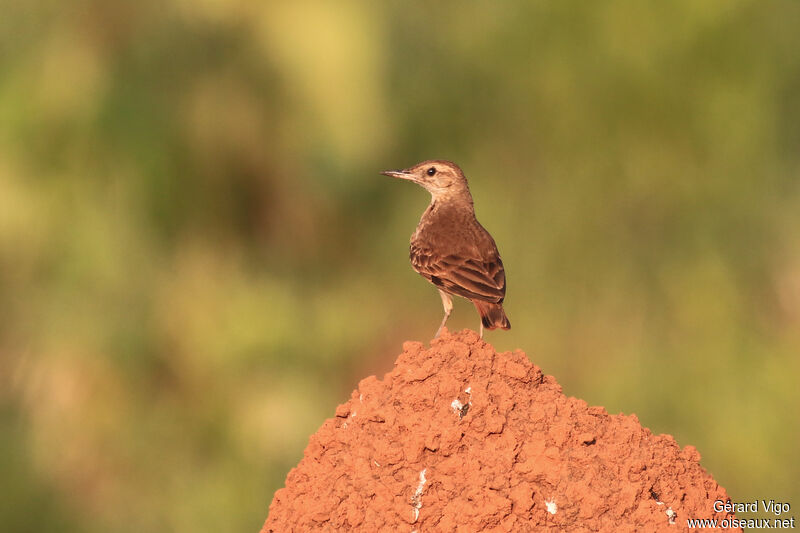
(458, 437)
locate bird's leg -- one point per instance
(481, 329)
(447, 303)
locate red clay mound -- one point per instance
(460, 438)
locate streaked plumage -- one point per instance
(451, 249)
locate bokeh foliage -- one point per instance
(198, 259)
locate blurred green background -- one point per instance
(199, 259)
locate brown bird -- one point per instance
(451, 249)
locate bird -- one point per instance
(451, 249)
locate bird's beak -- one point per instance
(402, 174)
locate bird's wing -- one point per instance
(462, 274)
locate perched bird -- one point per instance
(451, 249)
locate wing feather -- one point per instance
(462, 274)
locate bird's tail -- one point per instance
(492, 315)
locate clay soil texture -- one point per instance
(458, 437)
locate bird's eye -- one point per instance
(431, 171)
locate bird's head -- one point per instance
(440, 178)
